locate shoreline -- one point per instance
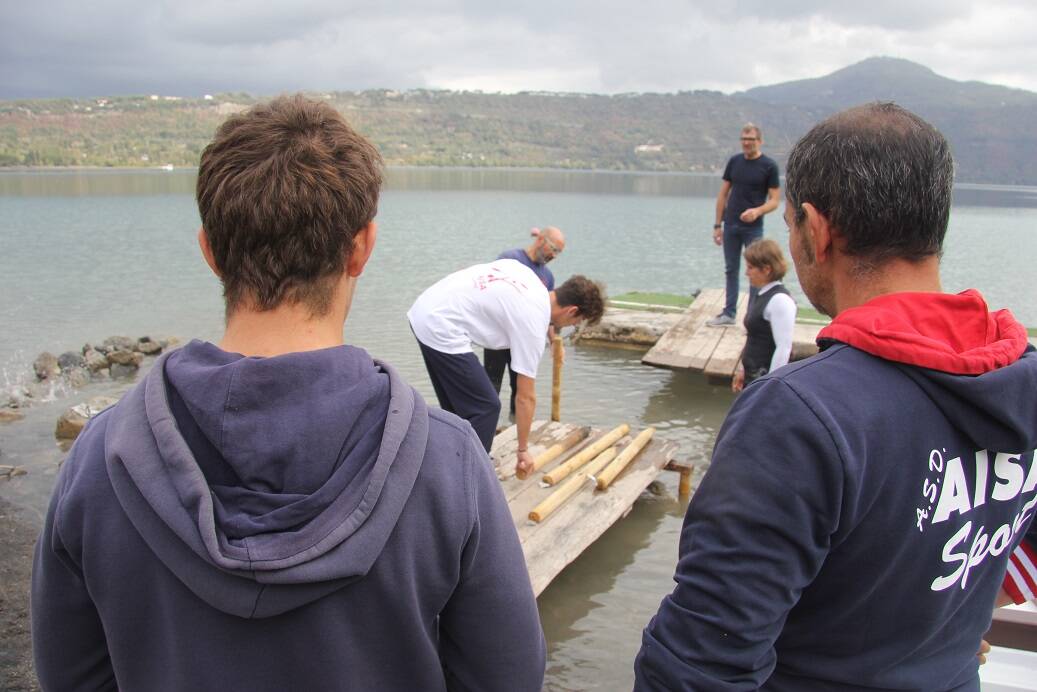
(21, 168)
(17, 541)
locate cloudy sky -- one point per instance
(190, 47)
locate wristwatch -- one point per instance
(717, 226)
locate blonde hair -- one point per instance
(767, 253)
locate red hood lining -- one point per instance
(940, 331)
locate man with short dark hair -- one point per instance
(498, 305)
(280, 511)
(547, 244)
(749, 190)
(856, 521)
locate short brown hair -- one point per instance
(282, 190)
(767, 253)
(588, 297)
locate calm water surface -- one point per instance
(85, 255)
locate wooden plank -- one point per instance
(725, 357)
(673, 349)
(567, 532)
(551, 545)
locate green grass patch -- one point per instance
(648, 298)
(811, 315)
(1032, 331)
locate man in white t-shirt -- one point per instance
(499, 305)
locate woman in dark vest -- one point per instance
(771, 315)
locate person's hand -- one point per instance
(984, 649)
(718, 236)
(524, 467)
(750, 215)
(738, 381)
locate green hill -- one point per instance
(686, 131)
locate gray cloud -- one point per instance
(65, 48)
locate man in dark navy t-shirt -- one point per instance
(548, 243)
(749, 190)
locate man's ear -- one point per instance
(819, 233)
(203, 244)
(363, 245)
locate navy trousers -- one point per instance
(463, 387)
(736, 237)
(494, 361)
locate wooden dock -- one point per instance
(715, 351)
(559, 539)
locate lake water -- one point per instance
(85, 255)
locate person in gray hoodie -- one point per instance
(280, 511)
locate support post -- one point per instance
(556, 379)
(684, 489)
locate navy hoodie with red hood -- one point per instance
(860, 511)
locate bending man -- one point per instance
(547, 245)
(498, 305)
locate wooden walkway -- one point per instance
(560, 538)
(715, 351)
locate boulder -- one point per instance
(76, 377)
(95, 360)
(75, 418)
(46, 366)
(70, 359)
(117, 343)
(125, 357)
(8, 415)
(118, 370)
(147, 346)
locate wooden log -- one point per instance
(584, 455)
(609, 473)
(684, 488)
(568, 489)
(556, 379)
(556, 450)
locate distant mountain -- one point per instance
(990, 127)
(914, 86)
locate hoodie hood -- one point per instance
(940, 331)
(976, 366)
(266, 483)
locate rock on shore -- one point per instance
(75, 418)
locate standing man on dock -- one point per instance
(498, 305)
(547, 244)
(856, 522)
(749, 191)
(280, 511)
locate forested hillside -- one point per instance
(989, 126)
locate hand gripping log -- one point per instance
(558, 449)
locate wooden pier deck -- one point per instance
(715, 351)
(559, 539)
